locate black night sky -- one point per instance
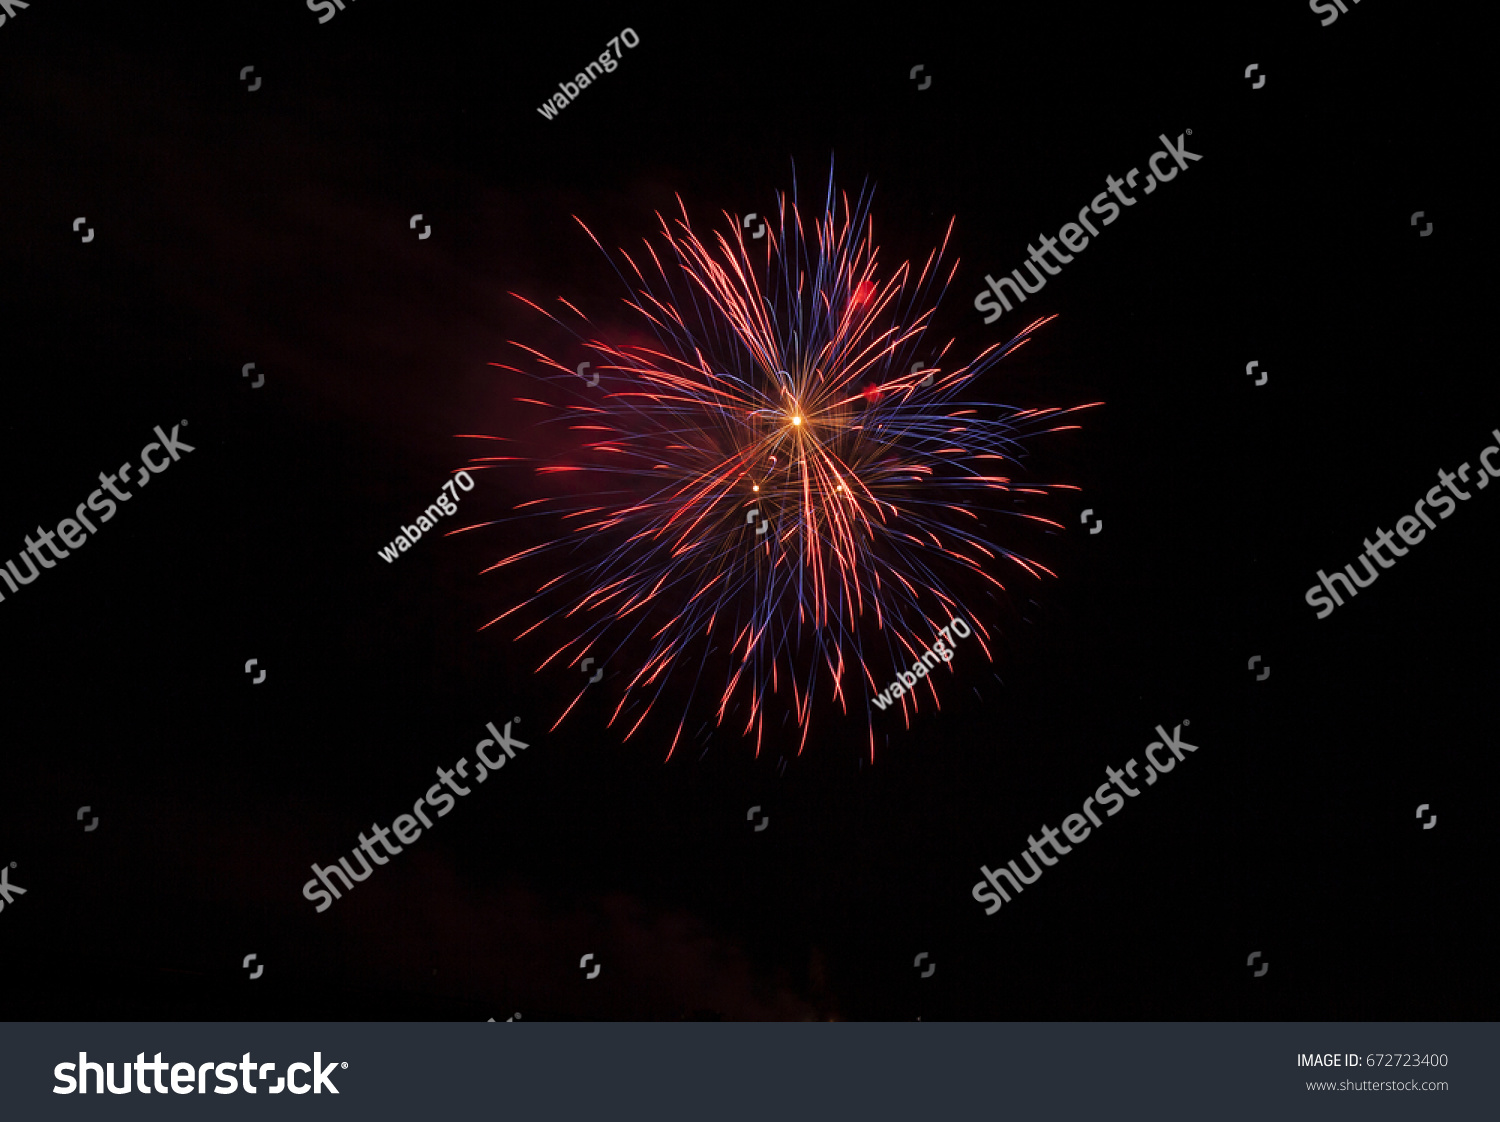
(273, 227)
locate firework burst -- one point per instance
(775, 480)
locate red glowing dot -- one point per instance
(864, 293)
(872, 394)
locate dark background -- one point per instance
(272, 227)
